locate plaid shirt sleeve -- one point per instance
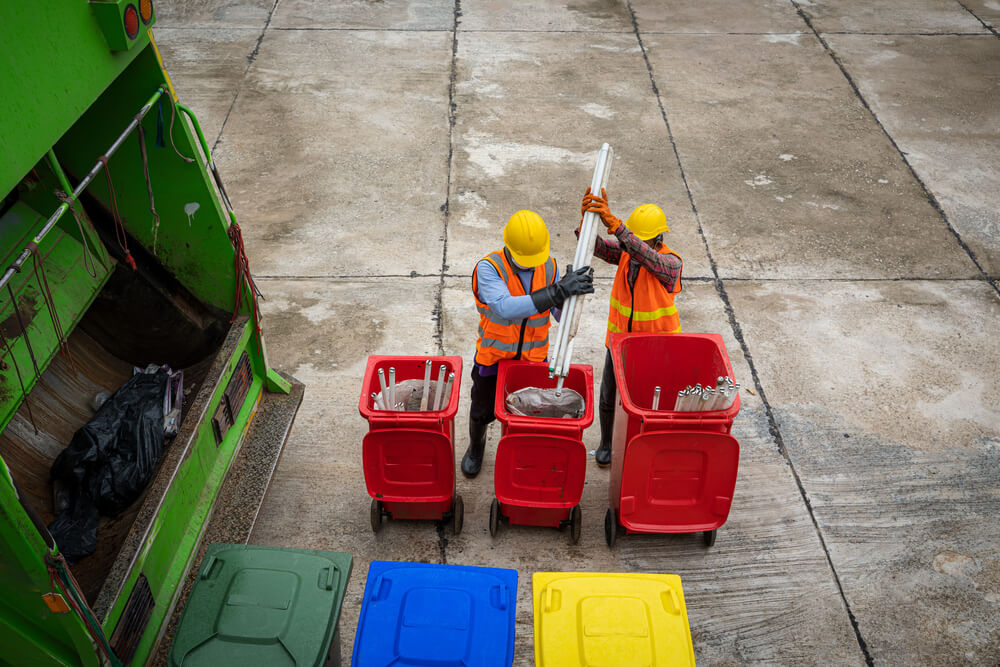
(666, 268)
(606, 249)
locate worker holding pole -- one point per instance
(642, 296)
(515, 289)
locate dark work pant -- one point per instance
(609, 386)
(484, 395)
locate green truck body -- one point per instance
(75, 316)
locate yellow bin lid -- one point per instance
(589, 619)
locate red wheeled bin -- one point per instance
(671, 472)
(541, 462)
(409, 456)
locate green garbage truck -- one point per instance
(121, 252)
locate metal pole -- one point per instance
(54, 218)
(392, 387)
(439, 388)
(427, 385)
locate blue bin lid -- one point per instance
(442, 615)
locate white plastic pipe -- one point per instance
(376, 402)
(656, 398)
(427, 385)
(569, 322)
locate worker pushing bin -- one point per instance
(541, 459)
(409, 451)
(672, 471)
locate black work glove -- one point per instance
(580, 281)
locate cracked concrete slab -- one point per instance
(337, 152)
(888, 408)
(213, 13)
(987, 11)
(532, 113)
(366, 14)
(207, 66)
(546, 16)
(792, 177)
(897, 520)
(890, 17)
(939, 97)
(717, 16)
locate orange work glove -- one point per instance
(599, 205)
(584, 205)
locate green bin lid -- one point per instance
(261, 605)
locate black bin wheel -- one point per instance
(376, 514)
(494, 517)
(610, 527)
(457, 514)
(709, 537)
(575, 524)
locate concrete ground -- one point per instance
(830, 171)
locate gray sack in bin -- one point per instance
(409, 392)
(535, 402)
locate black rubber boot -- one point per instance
(473, 459)
(603, 453)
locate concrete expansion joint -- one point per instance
(738, 332)
(250, 60)
(976, 16)
(903, 156)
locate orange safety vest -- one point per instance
(647, 306)
(499, 338)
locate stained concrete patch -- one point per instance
(212, 13)
(874, 351)
(890, 16)
(939, 97)
(525, 138)
(546, 15)
(793, 178)
(337, 152)
(886, 403)
(206, 67)
(717, 16)
(365, 14)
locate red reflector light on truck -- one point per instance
(131, 20)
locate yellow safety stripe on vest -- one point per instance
(641, 316)
(613, 329)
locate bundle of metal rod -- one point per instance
(707, 399)
(569, 322)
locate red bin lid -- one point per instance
(408, 465)
(678, 481)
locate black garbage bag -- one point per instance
(110, 460)
(75, 530)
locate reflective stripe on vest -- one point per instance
(500, 338)
(647, 307)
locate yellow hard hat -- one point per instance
(527, 239)
(647, 221)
